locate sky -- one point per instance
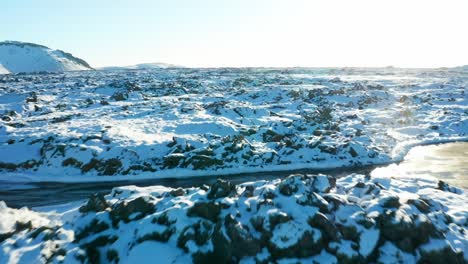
(238, 33)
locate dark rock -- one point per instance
(111, 166)
(272, 136)
(360, 185)
(173, 160)
(43, 229)
(177, 192)
(249, 191)
(334, 200)
(269, 195)
(407, 235)
(314, 199)
(391, 202)
(242, 243)
(328, 149)
(353, 152)
(112, 256)
(61, 119)
(289, 185)
(200, 162)
(72, 162)
(8, 166)
(162, 219)
(442, 256)
(120, 96)
(441, 185)
(221, 188)
(305, 247)
(221, 250)
(20, 226)
(94, 227)
(349, 232)
(328, 229)
(257, 222)
(421, 205)
(5, 236)
(157, 236)
(200, 233)
(92, 248)
(207, 210)
(92, 164)
(106, 167)
(32, 98)
(7, 118)
(277, 218)
(96, 203)
(122, 211)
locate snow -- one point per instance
(194, 234)
(368, 241)
(18, 57)
(10, 216)
(205, 122)
(288, 234)
(389, 253)
(157, 121)
(3, 70)
(153, 65)
(323, 257)
(165, 254)
(344, 247)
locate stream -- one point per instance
(448, 162)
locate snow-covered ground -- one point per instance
(153, 65)
(18, 57)
(78, 126)
(135, 124)
(299, 219)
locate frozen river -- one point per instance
(448, 162)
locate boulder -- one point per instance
(221, 188)
(207, 210)
(139, 207)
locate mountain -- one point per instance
(462, 68)
(154, 65)
(18, 57)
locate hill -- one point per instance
(18, 57)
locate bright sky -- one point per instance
(210, 33)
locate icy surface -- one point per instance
(197, 122)
(358, 219)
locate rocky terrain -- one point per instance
(76, 126)
(157, 123)
(302, 218)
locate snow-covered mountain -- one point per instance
(18, 57)
(154, 65)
